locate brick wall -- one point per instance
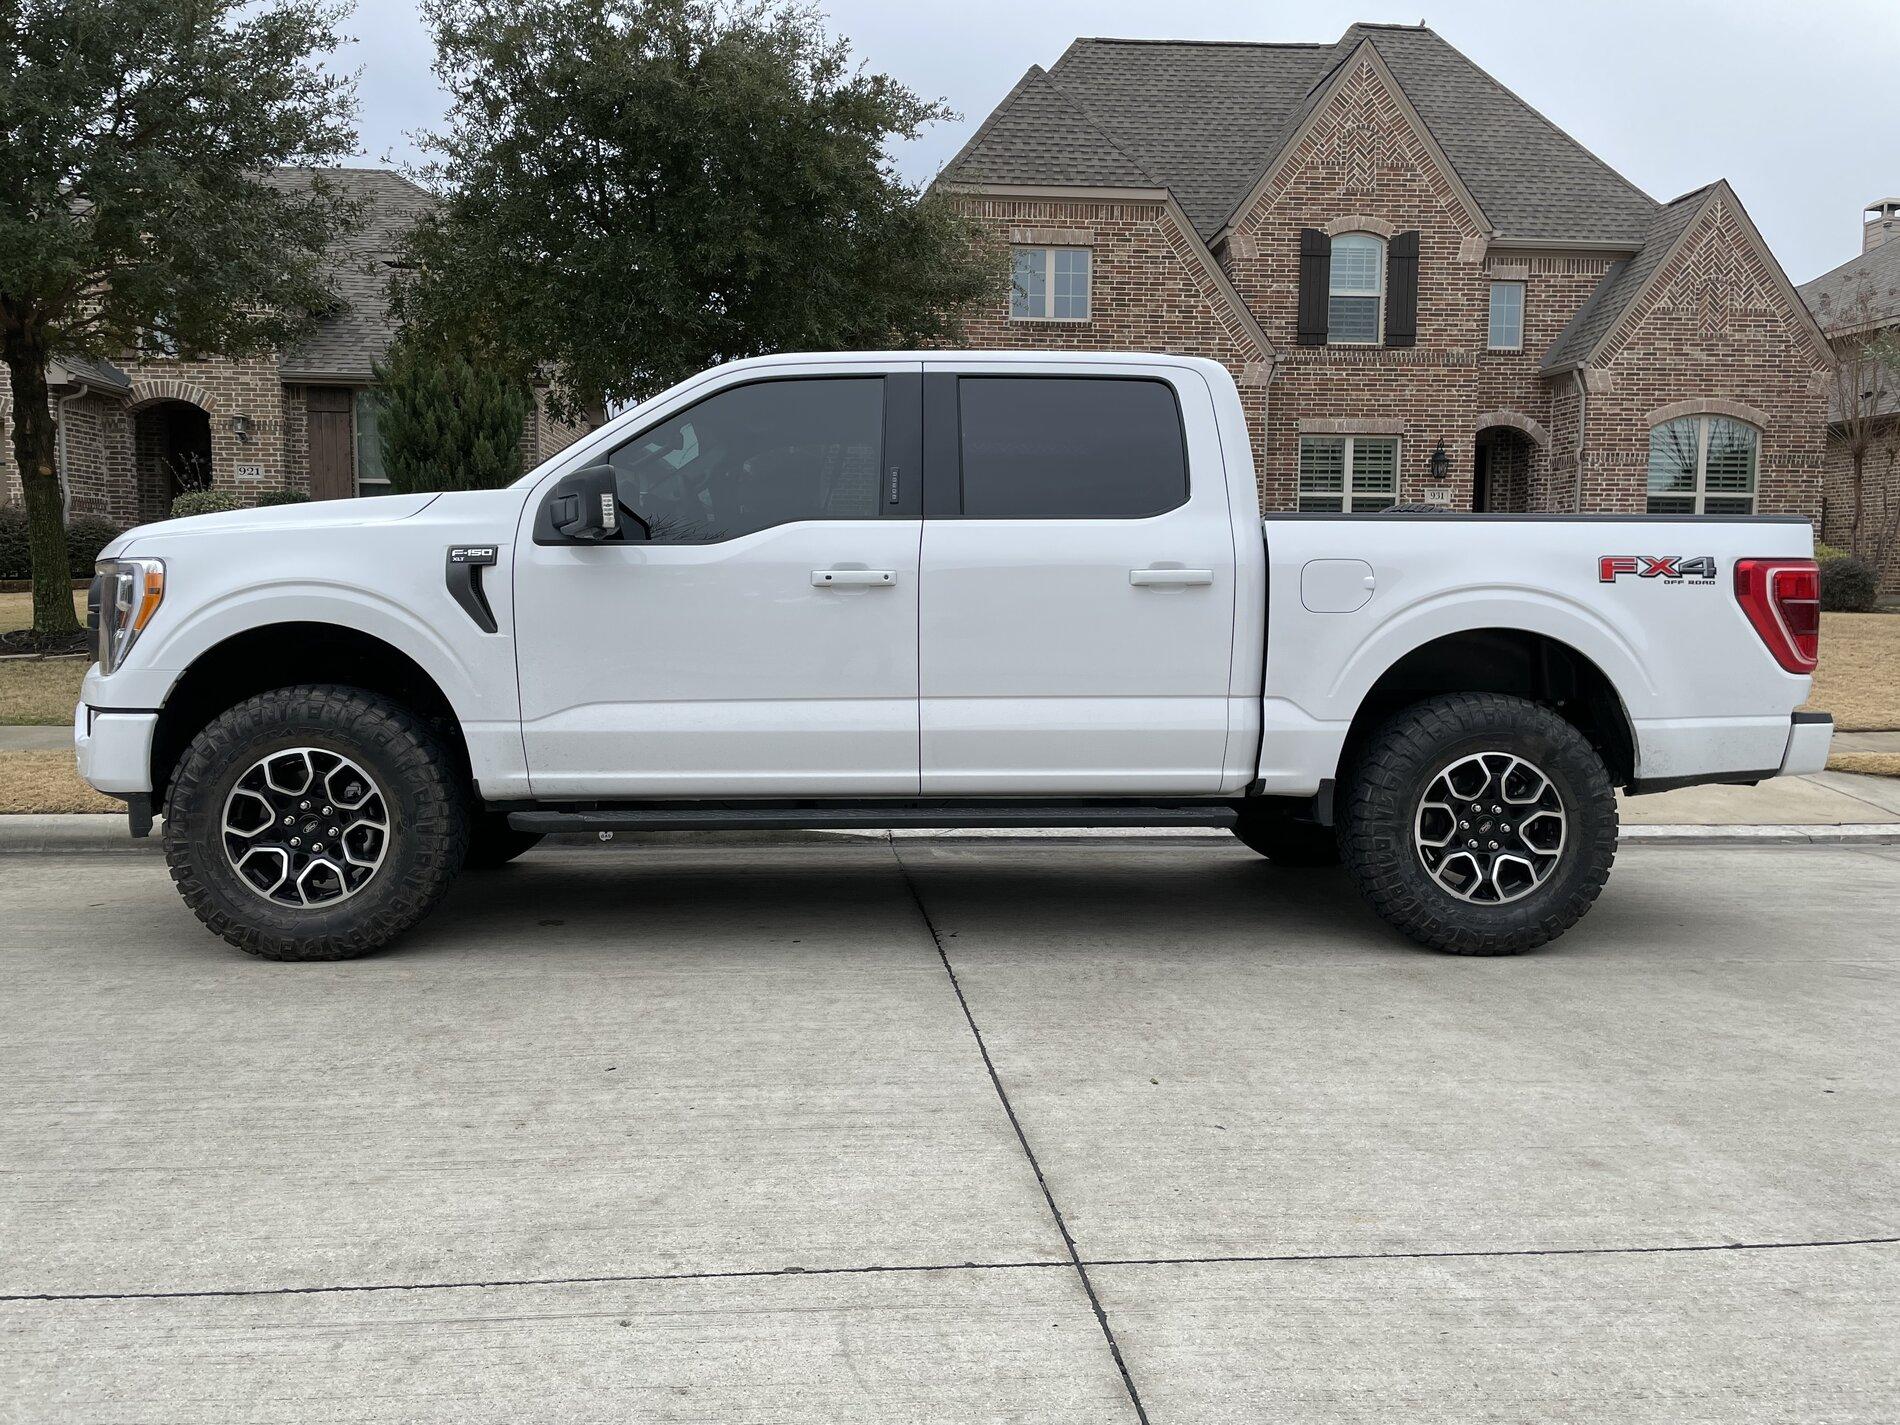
(1720, 328)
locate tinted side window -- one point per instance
(1048, 447)
(755, 456)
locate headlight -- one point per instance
(125, 595)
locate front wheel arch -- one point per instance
(281, 655)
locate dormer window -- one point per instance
(1355, 297)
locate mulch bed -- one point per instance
(24, 642)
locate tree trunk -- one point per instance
(35, 453)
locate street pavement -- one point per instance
(940, 1131)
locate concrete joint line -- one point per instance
(1022, 1139)
(757, 1273)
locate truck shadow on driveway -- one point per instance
(1051, 899)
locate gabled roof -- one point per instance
(1862, 292)
(96, 372)
(1622, 284)
(348, 340)
(1595, 327)
(1205, 120)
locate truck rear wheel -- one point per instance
(314, 823)
(1479, 824)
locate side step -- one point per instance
(874, 818)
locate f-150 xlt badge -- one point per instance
(1670, 568)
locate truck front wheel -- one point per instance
(314, 823)
(1479, 824)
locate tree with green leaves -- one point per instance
(138, 140)
(446, 423)
(635, 190)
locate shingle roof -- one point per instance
(1039, 135)
(347, 341)
(1621, 285)
(1836, 297)
(96, 372)
(1204, 119)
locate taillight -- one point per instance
(1782, 598)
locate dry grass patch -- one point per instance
(46, 782)
(16, 610)
(1859, 677)
(1868, 764)
(40, 691)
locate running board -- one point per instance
(871, 818)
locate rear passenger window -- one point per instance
(1050, 448)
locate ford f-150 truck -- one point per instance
(938, 589)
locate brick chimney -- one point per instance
(1880, 221)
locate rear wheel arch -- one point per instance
(280, 655)
(1513, 662)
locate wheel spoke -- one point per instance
(1490, 827)
(305, 827)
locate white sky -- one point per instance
(1795, 102)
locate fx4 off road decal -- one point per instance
(1670, 568)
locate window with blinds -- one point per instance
(1348, 474)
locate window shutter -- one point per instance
(1401, 290)
(1316, 264)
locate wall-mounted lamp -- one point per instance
(1440, 461)
(241, 428)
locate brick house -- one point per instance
(1426, 291)
(133, 431)
(1857, 303)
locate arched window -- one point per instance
(1355, 297)
(1703, 465)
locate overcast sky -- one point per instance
(1793, 101)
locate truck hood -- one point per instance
(279, 519)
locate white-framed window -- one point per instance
(1350, 474)
(1355, 294)
(1507, 316)
(372, 478)
(1703, 465)
(1049, 284)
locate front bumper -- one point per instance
(114, 749)
(1808, 738)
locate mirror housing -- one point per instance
(585, 506)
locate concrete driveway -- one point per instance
(994, 1131)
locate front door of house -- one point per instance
(332, 443)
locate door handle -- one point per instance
(1169, 578)
(834, 578)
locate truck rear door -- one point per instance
(1076, 583)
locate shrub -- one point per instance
(282, 497)
(15, 560)
(1823, 551)
(1848, 586)
(446, 423)
(86, 535)
(206, 502)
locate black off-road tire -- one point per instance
(492, 842)
(1287, 842)
(427, 839)
(1390, 778)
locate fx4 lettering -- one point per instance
(1612, 567)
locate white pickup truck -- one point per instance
(939, 589)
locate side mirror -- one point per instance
(585, 506)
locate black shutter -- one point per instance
(1401, 290)
(1316, 270)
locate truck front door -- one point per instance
(762, 640)
(1077, 618)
